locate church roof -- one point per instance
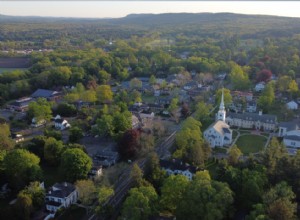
(266, 118)
(221, 127)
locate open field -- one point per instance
(251, 143)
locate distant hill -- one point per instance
(205, 24)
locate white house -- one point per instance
(60, 123)
(285, 127)
(292, 139)
(251, 106)
(35, 123)
(252, 121)
(95, 172)
(292, 105)
(290, 133)
(260, 86)
(219, 133)
(60, 195)
(176, 167)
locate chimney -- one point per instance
(260, 113)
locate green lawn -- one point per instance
(148, 98)
(251, 143)
(234, 134)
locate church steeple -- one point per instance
(221, 115)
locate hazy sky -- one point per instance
(100, 9)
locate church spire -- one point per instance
(222, 107)
(221, 115)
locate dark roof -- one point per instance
(266, 118)
(59, 120)
(289, 126)
(292, 137)
(43, 93)
(53, 203)
(61, 190)
(177, 165)
(226, 130)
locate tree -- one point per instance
(279, 202)
(204, 199)
(185, 110)
(21, 167)
(137, 175)
(105, 125)
(283, 83)
(89, 96)
(23, 206)
(52, 151)
(135, 83)
(293, 87)
(267, 98)
(40, 110)
(5, 142)
(66, 110)
(75, 164)
(104, 94)
(128, 146)
(264, 75)
(104, 193)
(272, 155)
(239, 77)
(172, 192)
(234, 155)
(140, 204)
(152, 80)
(202, 112)
(155, 174)
(189, 143)
(76, 134)
(122, 123)
(173, 109)
(36, 194)
(146, 143)
(86, 191)
(53, 133)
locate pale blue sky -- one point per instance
(100, 9)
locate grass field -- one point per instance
(2, 70)
(251, 143)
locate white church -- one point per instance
(219, 133)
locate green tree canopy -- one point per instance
(75, 164)
(21, 167)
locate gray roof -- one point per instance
(266, 118)
(290, 126)
(177, 165)
(61, 190)
(43, 93)
(292, 137)
(226, 130)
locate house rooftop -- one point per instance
(289, 126)
(177, 165)
(44, 93)
(266, 118)
(61, 190)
